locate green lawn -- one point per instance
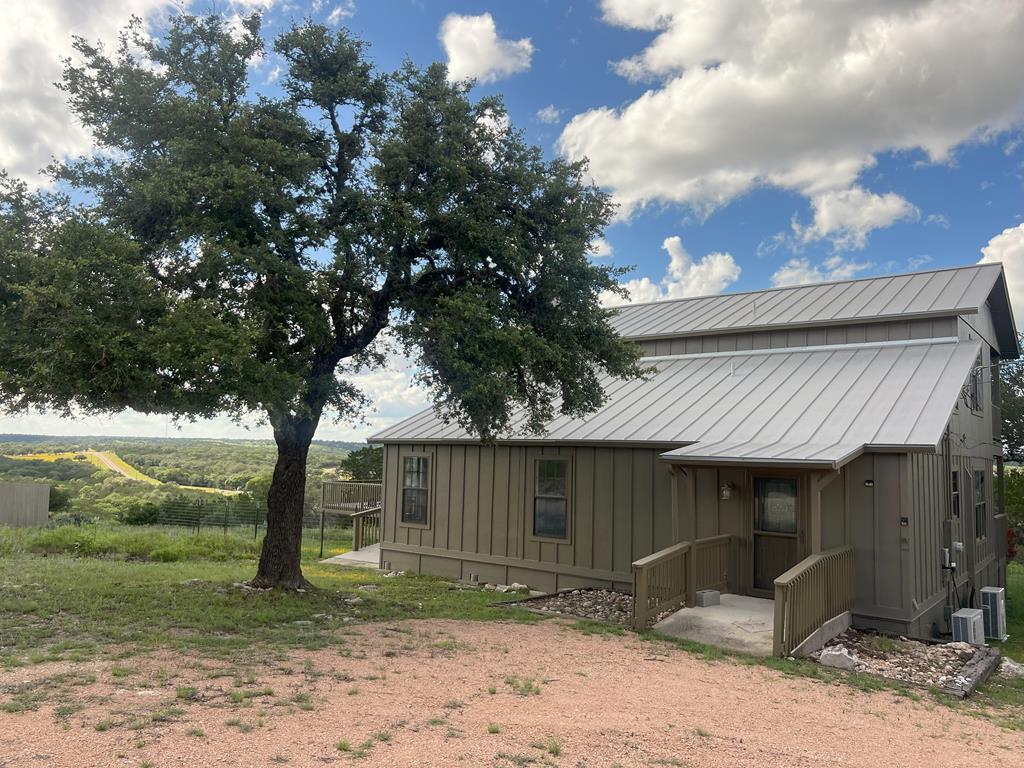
(79, 593)
(1014, 647)
(67, 606)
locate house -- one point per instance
(839, 439)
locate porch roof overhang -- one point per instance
(810, 407)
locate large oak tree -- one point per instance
(229, 252)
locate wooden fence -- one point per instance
(670, 578)
(816, 589)
(24, 505)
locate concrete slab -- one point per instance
(367, 557)
(739, 623)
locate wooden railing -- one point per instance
(816, 589)
(713, 562)
(670, 578)
(366, 528)
(662, 582)
(349, 496)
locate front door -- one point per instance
(775, 530)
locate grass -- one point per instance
(62, 605)
(111, 541)
(1014, 647)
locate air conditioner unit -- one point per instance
(969, 626)
(993, 604)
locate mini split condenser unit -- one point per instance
(969, 626)
(993, 606)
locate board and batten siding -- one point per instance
(480, 514)
(859, 333)
(24, 505)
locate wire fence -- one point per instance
(234, 514)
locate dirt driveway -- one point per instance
(444, 693)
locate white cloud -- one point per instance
(801, 95)
(342, 11)
(914, 263)
(549, 114)
(35, 124)
(939, 220)
(800, 271)
(391, 390)
(684, 277)
(1008, 248)
(475, 51)
(848, 216)
(599, 248)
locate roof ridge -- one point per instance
(664, 302)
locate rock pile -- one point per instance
(596, 604)
(909, 661)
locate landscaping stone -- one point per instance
(839, 657)
(940, 665)
(1011, 668)
(595, 604)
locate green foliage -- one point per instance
(237, 254)
(116, 542)
(1011, 394)
(81, 492)
(1014, 479)
(365, 464)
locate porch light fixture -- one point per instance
(725, 492)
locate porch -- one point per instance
(806, 598)
(739, 623)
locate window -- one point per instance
(550, 501)
(954, 492)
(980, 506)
(775, 504)
(415, 471)
(977, 388)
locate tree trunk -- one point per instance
(280, 559)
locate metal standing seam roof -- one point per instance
(960, 290)
(811, 406)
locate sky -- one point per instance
(747, 143)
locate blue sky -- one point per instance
(749, 145)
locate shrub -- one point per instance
(145, 513)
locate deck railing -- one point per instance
(366, 528)
(816, 589)
(661, 582)
(713, 562)
(349, 495)
(670, 578)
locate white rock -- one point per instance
(517, 587)
(1011, 668)
(839, 657)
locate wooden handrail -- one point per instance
(350, 495)
(365, 528)
(669, 578)
(818, 588)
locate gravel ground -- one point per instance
(909, 661)
(596, 604)
(444, 693)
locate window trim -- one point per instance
(532, 501)
(983, 503)
(976, 388)
(956, 500)
(430, 490)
